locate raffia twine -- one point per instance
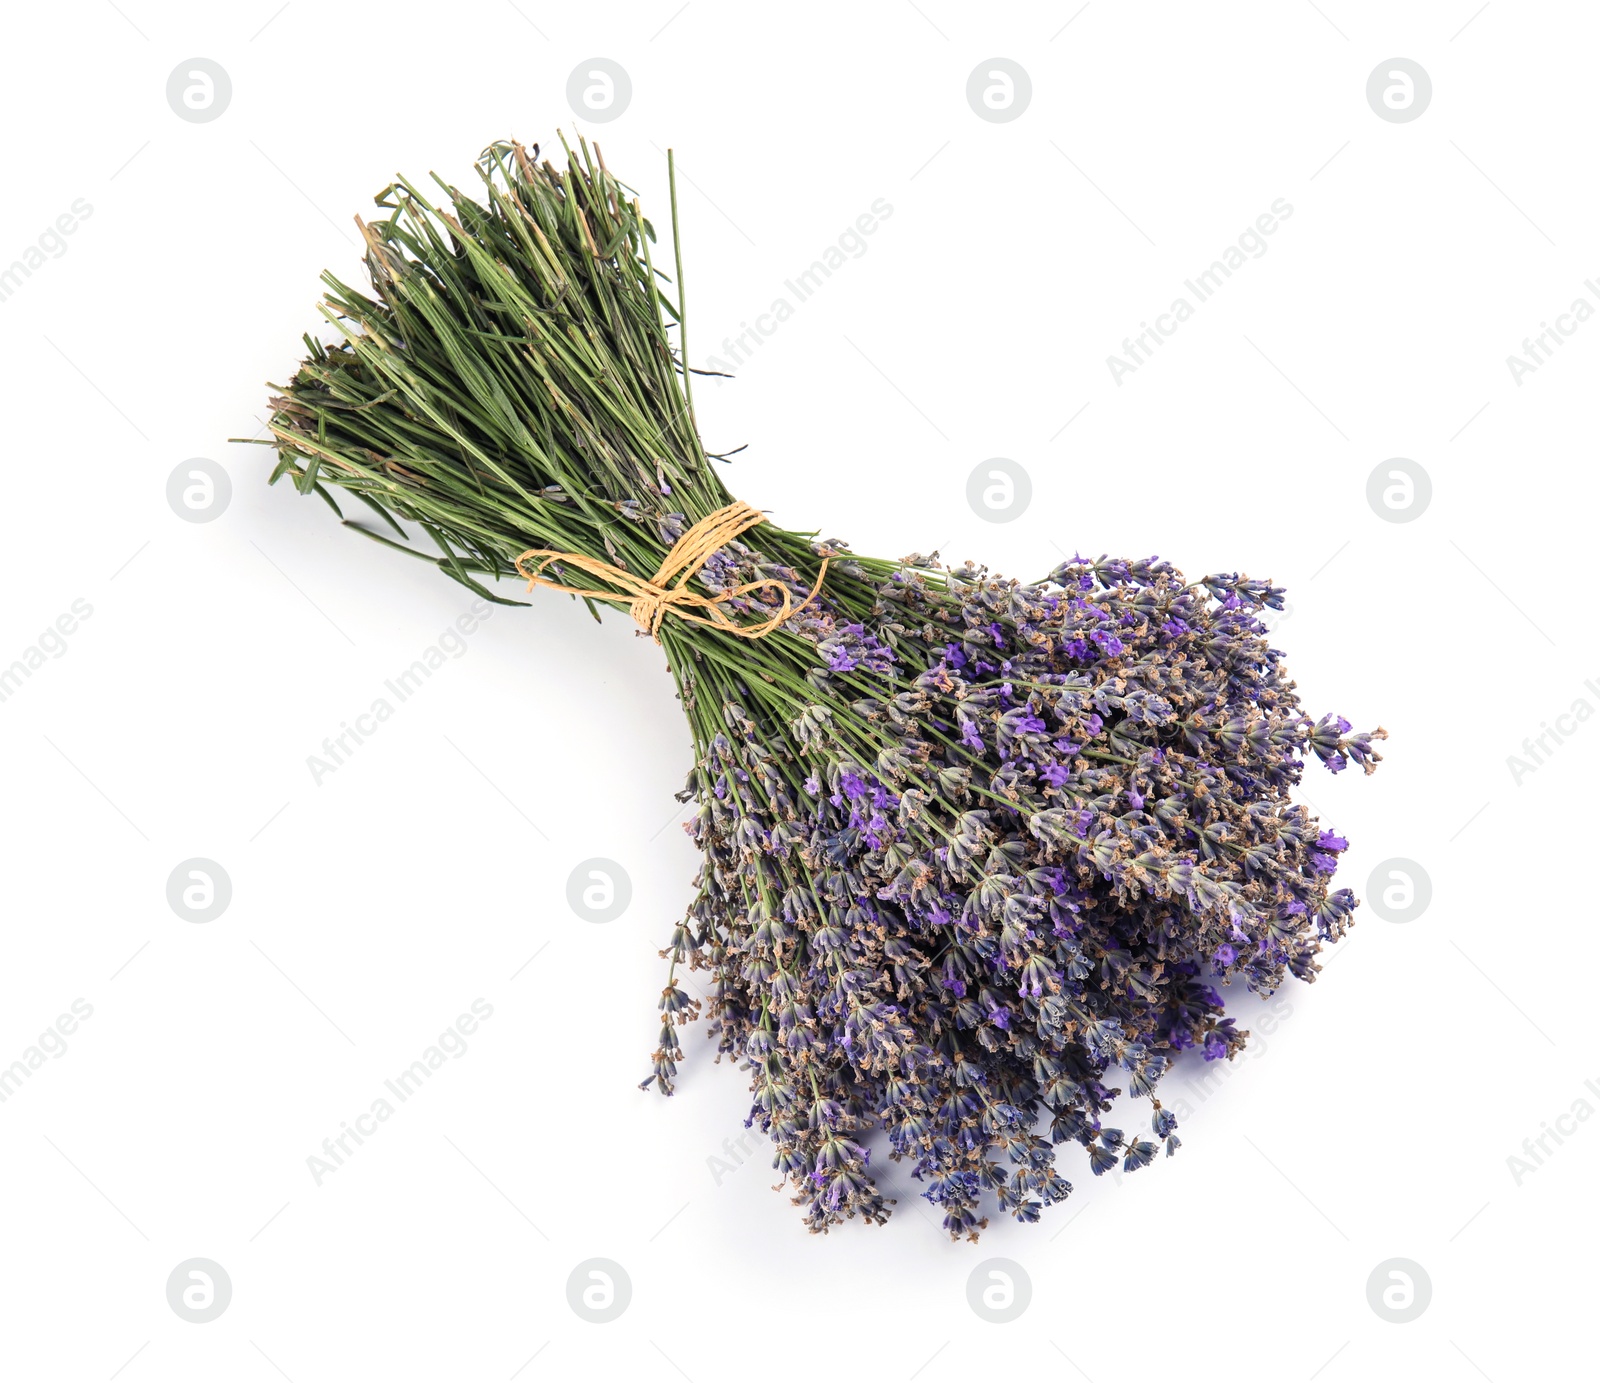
(650, 600)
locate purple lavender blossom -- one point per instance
(964, 918)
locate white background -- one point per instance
(370, 910)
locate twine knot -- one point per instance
(649, 601)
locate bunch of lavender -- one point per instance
(973, 849)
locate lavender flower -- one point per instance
(1095, 821)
